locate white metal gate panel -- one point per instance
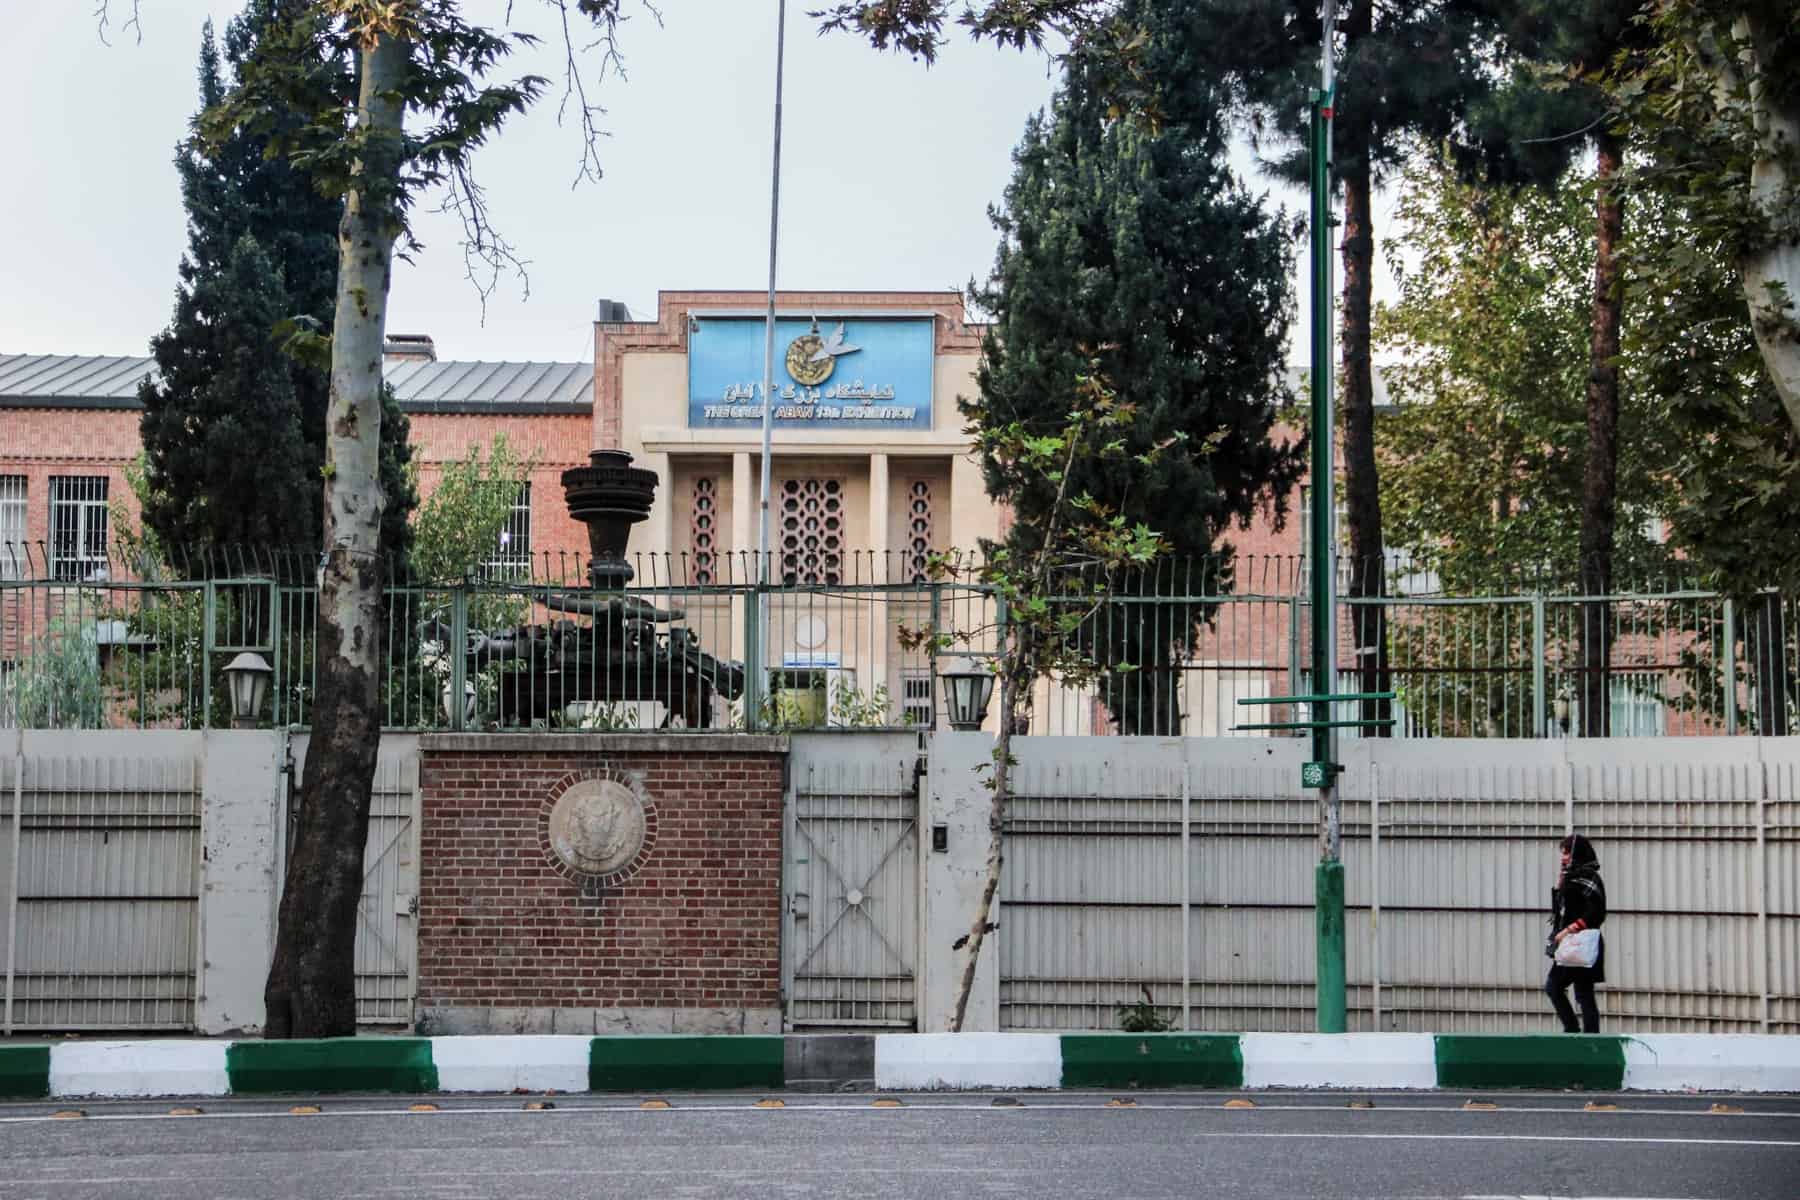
(853, 895)
(387, 941)
(100, 877)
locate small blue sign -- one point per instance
(836, 373)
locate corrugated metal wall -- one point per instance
(1126, 864)
(100, 878)
(101, 873)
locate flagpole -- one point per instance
(768, 387)
(757, 627)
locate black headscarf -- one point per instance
(1581, 853)
(1580, 892)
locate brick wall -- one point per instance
(37, 443)
(696, 927)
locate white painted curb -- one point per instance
(1712, 1062)
(1339, 1060)
(537, 1063)
(940, 1061)
(173, 1068)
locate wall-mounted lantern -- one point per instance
(968, 686)
(247, 676)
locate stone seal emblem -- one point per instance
(597, 827)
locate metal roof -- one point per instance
(59, 377)
(429, 386)
(83, 381)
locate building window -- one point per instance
(812, 532)
(915, 700)
(1637, 709)
(918, 531)
(512, 553)
(703, 529)
(12, 526)
(77, 527)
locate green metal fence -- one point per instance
(859, 643)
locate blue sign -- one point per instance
(836, 373)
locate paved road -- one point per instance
(931, 1148)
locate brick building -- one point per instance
(69, 430)
(871, 472)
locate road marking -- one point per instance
(624, 1104)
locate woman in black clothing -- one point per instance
(1577, 902)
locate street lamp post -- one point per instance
(1328, 879)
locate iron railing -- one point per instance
(707, 644)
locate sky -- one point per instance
(888, 169)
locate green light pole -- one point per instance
(1328, 877)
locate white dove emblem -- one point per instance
(833, 346)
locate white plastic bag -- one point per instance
(1579, 949)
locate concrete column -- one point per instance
(742, 569)
(656, 528)
(950, 883)
(973, 515)
(241, 809)
(878, 513)
(743, 505)
(880, 616)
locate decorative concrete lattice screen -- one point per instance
(703, 521)
(812, 532)
(918, 530)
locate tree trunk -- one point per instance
(1599, 487)
(1362, 484)
(1771, 267)
(1011, 693)
(311, 989)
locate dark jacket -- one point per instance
(1580, 899)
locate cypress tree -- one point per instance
(234, 428)
(1129, 244)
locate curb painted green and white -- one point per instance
(1384, 1061)
(903, 1062)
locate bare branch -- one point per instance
(607, 18)
(485, 252)
(102, 15)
